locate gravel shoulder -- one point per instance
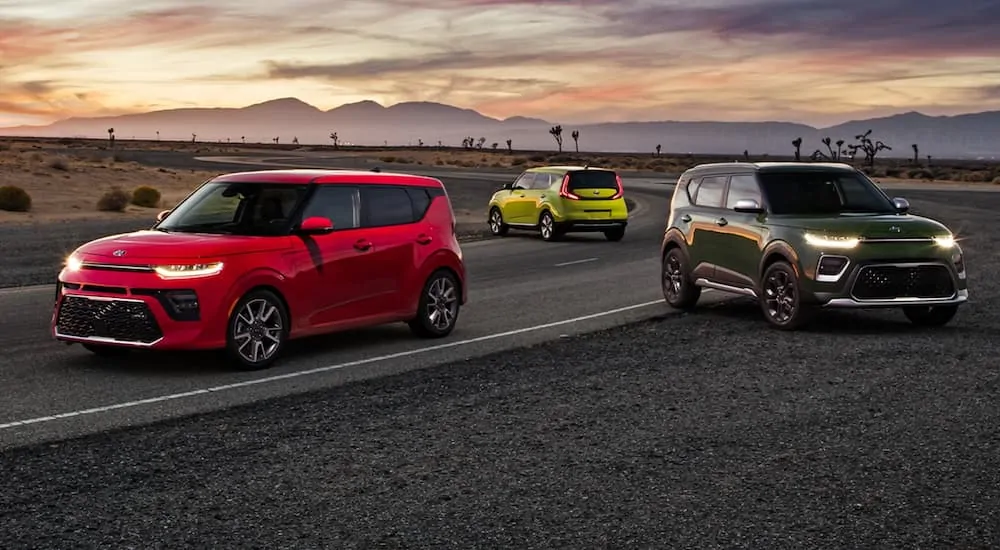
(703, 430)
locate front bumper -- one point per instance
(139, 310)
(881, 284)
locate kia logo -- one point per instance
(118, 253)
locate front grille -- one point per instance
(121, 320)
(885, 282)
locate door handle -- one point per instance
(542, 197)
(424, 239)
(722, 222)
(362, 245)
(685, 218)
(520, 194)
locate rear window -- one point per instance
(592, 179)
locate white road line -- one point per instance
(575, 262)
(26, 289)
(279, 377)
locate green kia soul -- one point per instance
(800, 237)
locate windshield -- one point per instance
(236, 209)
(818, 192)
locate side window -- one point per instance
(524, 182)
(710, 191)
(542, 181)
(742, 187)
(339, 203)
(382, 206)
(692, 189)
(421, 201)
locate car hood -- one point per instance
(148, 244)
(871, 226)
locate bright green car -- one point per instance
(555, 200)
(800, 237)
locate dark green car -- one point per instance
(800, 237)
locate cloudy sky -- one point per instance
(814, 61)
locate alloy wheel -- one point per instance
(258, 330)
(496, 223)
(779, 296)
(673, 277)
(547, 226)
(442, 303)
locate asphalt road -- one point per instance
(704, 430)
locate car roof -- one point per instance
(773, 166)
(327, 177)
(566, 168)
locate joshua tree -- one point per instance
(420, 143)
(746, 155)
(576, 139)
(295, 140)
(916, 154)
(111, 137)
(467, 143)
(228, 140)
(276, 140)
(829, 146)
(157, 135)
(440, 145)
(336, 139)
(868, 147)
(194, 138)
(495, 145)
(480, 143)
(556, 132)
(840, 148)
(243, 139)
(510, 146)
(659, 149)
(797, 143)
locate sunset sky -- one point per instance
(814, 61)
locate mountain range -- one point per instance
(974, 135)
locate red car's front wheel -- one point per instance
(258, 330)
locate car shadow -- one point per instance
(214, 362)
(828, 321)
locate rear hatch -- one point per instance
(591, 194)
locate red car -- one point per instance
(250, 260)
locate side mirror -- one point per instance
(901, 204)
(316, 225)
(508, 186)
(161, 215)
(748, 206)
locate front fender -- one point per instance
(262, 276)
(674, 236)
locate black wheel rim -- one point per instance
(673, 279)
(779, 296)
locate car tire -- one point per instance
(548, 228)
(615, 235)
(439, 305)
(497, 226)
(679, 289)
(930, 316)
(781, 298)
(257, 330)
(101, 350)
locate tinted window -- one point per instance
(524, 182)
(421, 201)
(710, 191)
(236, 208)
(822, 192)
(542, 181)
(740, 188)
(592, 179)
(339, 203)
(386, 206)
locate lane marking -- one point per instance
(26, 289)
(576, 262)
(318, 370)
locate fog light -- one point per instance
(181, 305)
(831, 268)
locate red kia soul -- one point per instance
(250, 260)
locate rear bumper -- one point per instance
(593, 225)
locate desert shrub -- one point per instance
(4, 146)
(537, 158)
(14, 199)
(59, 164)
(115, 200)
(387, 159)
(518, 161)
(920, 174)
(146, 196)
(996, 180)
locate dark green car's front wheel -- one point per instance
(781, 298)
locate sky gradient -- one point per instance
(812, 61)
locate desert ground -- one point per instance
(67, 178)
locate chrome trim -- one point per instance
(905, 300)
(102, 340)
(831, 278)
(104, 298)
(725, 288)
(865, 240)
(961, 297)
(116, 267)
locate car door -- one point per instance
(536, 195)
(517, 206)
(741, 238)
(706, 220)
(329, 270)
(392, 236)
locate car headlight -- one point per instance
(946, 241)
(73, 263)
(187, 271)
(825, 241)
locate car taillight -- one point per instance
(621, 188)
(564, 190)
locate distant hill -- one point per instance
(369, 123)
